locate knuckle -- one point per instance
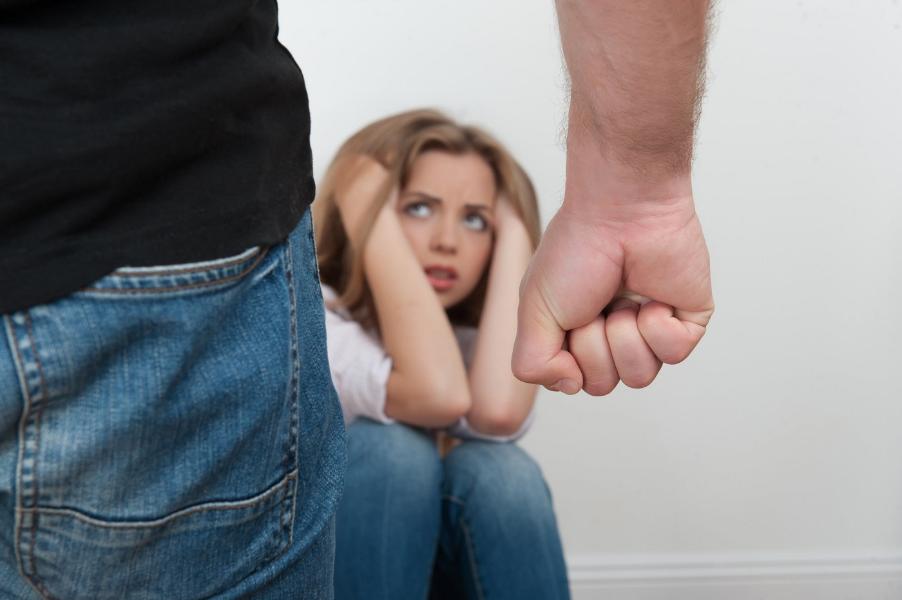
(525, 372)
(673, 357)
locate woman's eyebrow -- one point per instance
(429, 198)
(424, 196)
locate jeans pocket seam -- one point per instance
(137, 291)
(262, 502)
(210, 265)
(292, 449)
(34, 391)
(204, 507)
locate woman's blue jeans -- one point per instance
(172, 433)
(477, 524)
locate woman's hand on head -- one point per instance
(506, 216)
(362, 181)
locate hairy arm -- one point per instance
(427, 385)
(622, 272)
(500, 401)
(636, 75)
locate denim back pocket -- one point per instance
(158, 442)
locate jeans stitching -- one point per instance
(175, 288)
(191, 510)
(291, 451)
(212, 265)
(33, 408)
(39, 409)
(471, 555)
(12, 337)
(26, 397)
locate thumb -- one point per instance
(539, 353)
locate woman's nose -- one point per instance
(444, 237)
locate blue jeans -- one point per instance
(477, 524)
(172, 432)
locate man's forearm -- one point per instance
(636, 73)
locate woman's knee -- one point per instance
(393, 451)
(496, 474)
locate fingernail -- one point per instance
(568, 386)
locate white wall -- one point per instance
(774, 454)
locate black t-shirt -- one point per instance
(143, 133)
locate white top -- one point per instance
(360, 369)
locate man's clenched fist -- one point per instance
(611, 294)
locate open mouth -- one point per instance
(442, 278)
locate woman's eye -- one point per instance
(418, 209)
(476, 222)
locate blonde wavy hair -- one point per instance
(396, 142)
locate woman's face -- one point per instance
(447, 211)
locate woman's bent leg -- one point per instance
(499, 534)
(388, 519)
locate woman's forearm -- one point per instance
(500, 402)
(428, 383)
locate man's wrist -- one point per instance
(599, 177)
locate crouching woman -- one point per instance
(424, 228)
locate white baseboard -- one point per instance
(876, 576)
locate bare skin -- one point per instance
(448, 214)
(621, 283)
